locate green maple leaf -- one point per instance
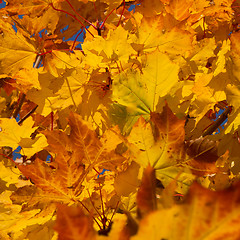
(140, 91)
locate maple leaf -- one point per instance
(150, 8)
(47, 20)
(70, 91)
(166, 154)
(32, 8)
(17, 224)
(204, 214)
(113, 48)
(140, 92)
(58, 92)
(80, 226)
(76, 224)
(235, 52)
(13, 135)
(57, 61)
(146, 196)
(172, 51)
(152, 33)
(66, 182)
(27, 79)
(180, 9)
(204, 50)
(9, 175)
(89, 13)
(206, 96)
(127, 181)
(16, 50)
(94, 152)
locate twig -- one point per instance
(23, 96)
(129, 3)
(27, 115)
(18, 108)
(37, 61)
(60, 10)
(121, 13)
(218, 122)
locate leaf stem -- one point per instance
(114, 212)
(96, 170)
(69, 88)
(37, 61)
(91, 215)
(52, 120)
(104, 217)
(121, 13)
(79, 14)
(76, 40)
(19, 106)
(106, 19)
(94, 206)
(7, 157)
(27, 115)
(60, 10)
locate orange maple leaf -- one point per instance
(204, 214)
(72, 224)
(78, 155)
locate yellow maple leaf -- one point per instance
(57, 61)
(116, 47)
(17, 223)
(9, 175)
(95, 153)
(150, 8)
(48, 20)
(16, 50)
(203, 50)
(152, 33)
(180, 8)
(13, 135)
(70, 92)
(205, 96)
(27, 79)
(31, 8)
(223, 57)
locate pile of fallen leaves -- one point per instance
(132, 133)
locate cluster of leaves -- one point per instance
(139, 100)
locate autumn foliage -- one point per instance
(132, 133)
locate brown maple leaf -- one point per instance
(146, 196)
